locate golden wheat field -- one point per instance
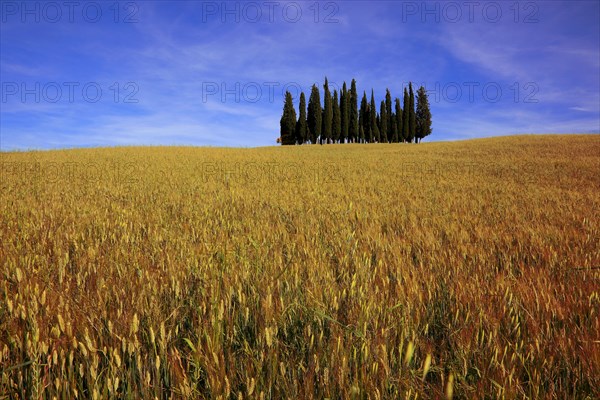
(395, 271)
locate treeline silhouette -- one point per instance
(340, 120)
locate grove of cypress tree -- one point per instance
(390, 117)
(314, 114)
(340, 121)
(383, 123)
(344, 113)
(301, 125)
(374, 137)
(398, 121)
(405, 117)
(411, 114)
(423, 115)
(353, 133)
(288, 121)
(327, 112)
(336, 127)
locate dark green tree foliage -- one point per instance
(383, 123)
(314, 114)
(398, 122)
(374, 137)
(301, 125)
(344, 113)
(412, 119)
(336, 127)
(423, 115)
(327, 113)
(364, 119)
(322, 139)
(340, 121)
(353, 133)
(288, 121)
(405, 117)
(391, 127)
(393, 132)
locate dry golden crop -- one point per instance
(465, 269)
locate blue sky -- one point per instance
(102, 73)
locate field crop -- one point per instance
(465, 269)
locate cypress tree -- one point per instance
(288, 121)
(398, 122)
(423, 115)
(383, 123)
(374, 137)
(411, 114)
(364, 119)
(391, 131)
(336, 127)
(344, 113)
(301, 125)
(322, 139)
(314, 114)
(327, 113)
(353, 133)
(405, 117)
